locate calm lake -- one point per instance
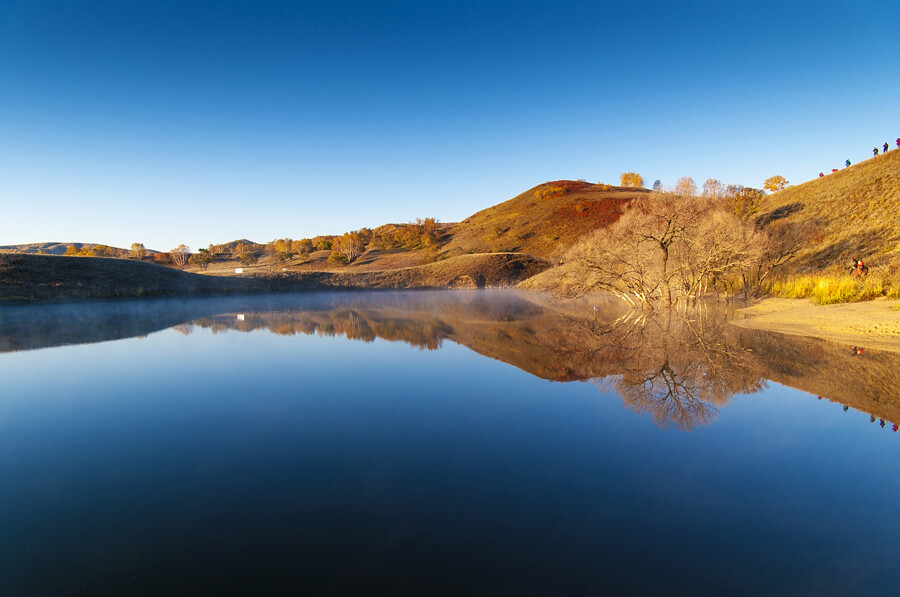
(428, 443)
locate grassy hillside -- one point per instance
(50, 277)
(543, 221)
(855, 214)
(40, 277)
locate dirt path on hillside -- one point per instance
(872, 324)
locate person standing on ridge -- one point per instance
(848, 163)
(898, 142)
(874, 151)
(886, 147)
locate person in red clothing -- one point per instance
(859, 269)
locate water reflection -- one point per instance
(680, 368)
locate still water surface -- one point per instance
(438, 443)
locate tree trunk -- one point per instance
(664, 281)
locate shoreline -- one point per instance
(870, 324)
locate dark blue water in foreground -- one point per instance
(225, 462)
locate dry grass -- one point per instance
(831, 288)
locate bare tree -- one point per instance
(685, 187)
(181, 254)
(714, 188)
(659, 241)
(721, 243)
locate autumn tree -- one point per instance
(631, 179)
(304, 245)
(137, 251)
(202, 259)
(349, 246)
(775, 183)
(685, 187)
(743, 201)
(280, 249)
(181, 254)
(248, 257)
(657, 186)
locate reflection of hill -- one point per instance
(679, 369)
(867, 380)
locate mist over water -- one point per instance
(422, 443)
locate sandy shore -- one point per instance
(872, 324)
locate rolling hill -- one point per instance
(543, 221)
(854, 213)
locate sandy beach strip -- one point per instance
(872, 324)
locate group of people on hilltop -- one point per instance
(886, 147)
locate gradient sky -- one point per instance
(168, 122)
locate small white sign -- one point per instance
(239, 270)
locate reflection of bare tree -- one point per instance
(679, 368)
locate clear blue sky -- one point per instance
(171, 122)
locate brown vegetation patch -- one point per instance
(599, 213)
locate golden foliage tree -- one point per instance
(743, 201)
(775, 183)
(137, 251)
(631, 179)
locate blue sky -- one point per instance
(201, 122)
